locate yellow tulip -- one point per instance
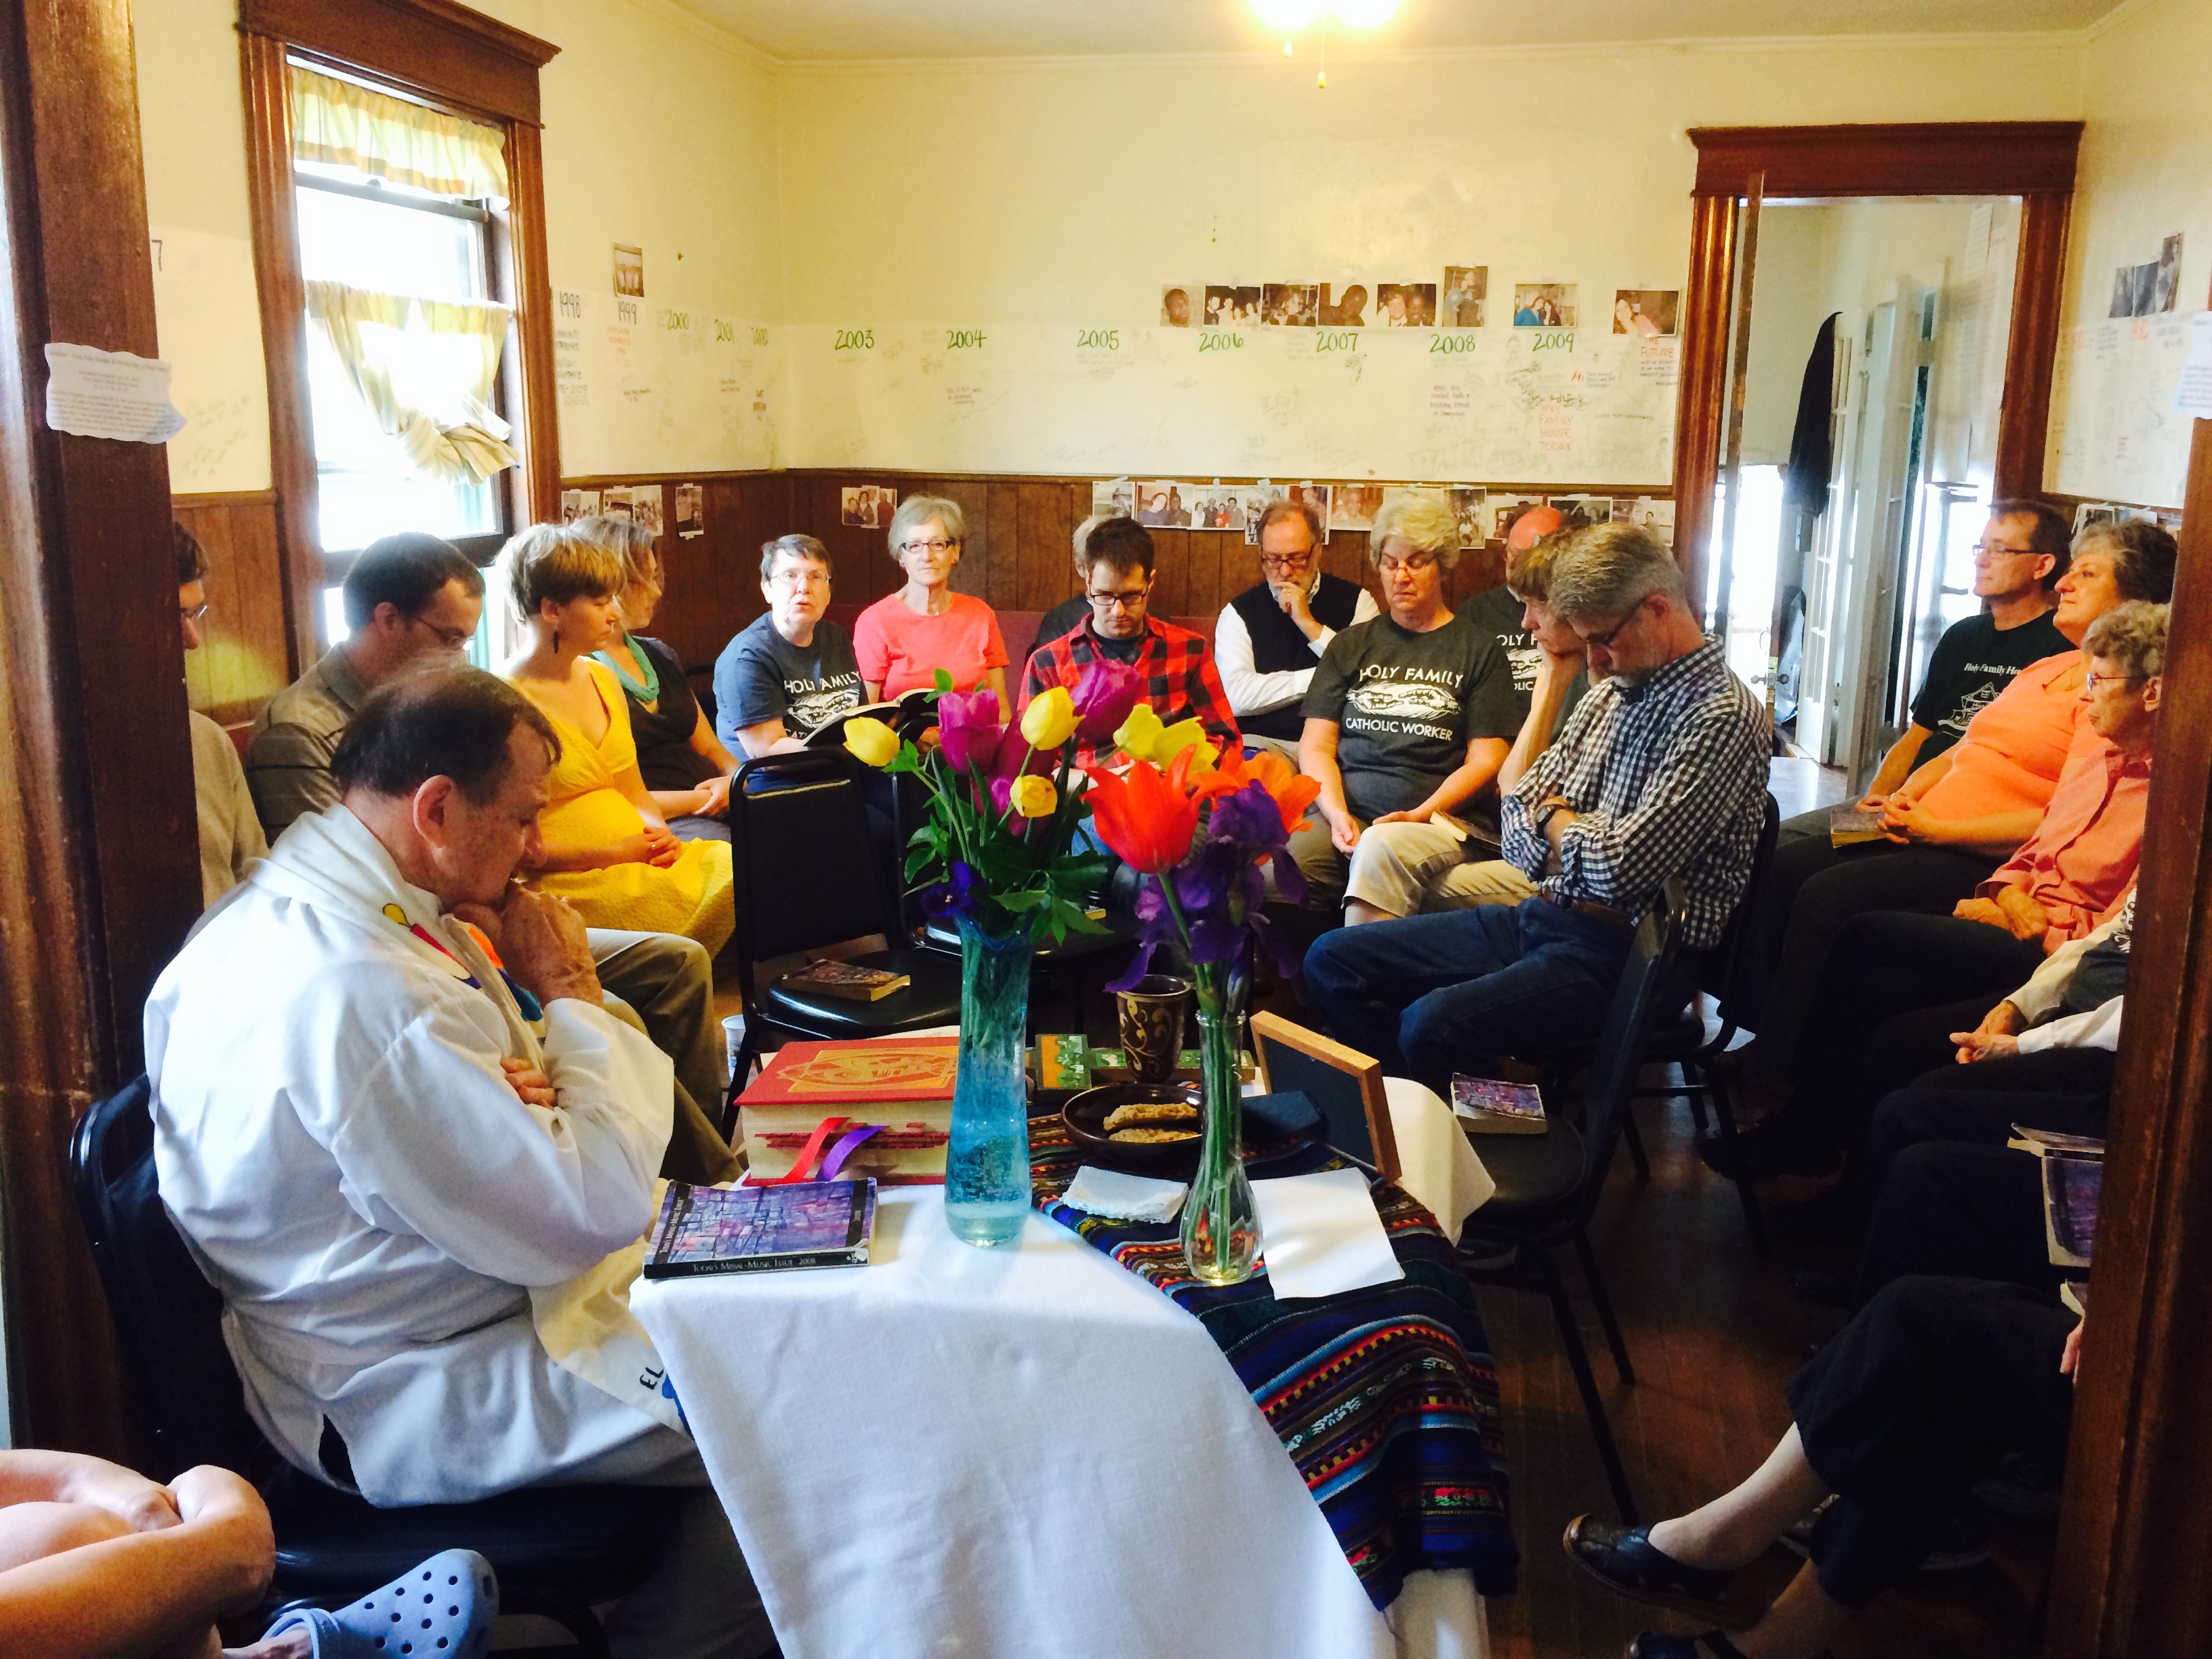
(1049, 720)
(1035, 797)
(1184, 734)
(1139, 732)
(872, 740)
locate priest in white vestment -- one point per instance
(374, 1155)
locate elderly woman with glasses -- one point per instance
(793, 669)
(902, 639)
(1406, 722)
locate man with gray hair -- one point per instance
(1270, 638)
(1658, 773)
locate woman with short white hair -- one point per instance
(903, 639)
(1407, 720)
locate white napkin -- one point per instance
(1125, 1197)
(1436, 1163)
(1322, 1235)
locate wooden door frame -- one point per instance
(2032, 159)
(470, 66)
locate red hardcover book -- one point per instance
(904, 1084)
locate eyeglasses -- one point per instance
(928, 547)
(191, 613)
(1415, 562)
(1985, 550)
(1604, 640)
(794, 580)
(1286, 561)
(2095, 680)
(1132, 600)
(453, 639)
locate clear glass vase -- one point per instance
(987, 1167)
(1221, 1228)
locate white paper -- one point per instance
(109, 394)
(1322, 1235)
(2194, 395)
(1436, 1163)
(1125, 1197)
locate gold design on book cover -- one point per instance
(879, 1065)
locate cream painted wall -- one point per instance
(660, 132)
(2143, 177)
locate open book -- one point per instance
(831, 731)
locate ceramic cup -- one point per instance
(1152, 1018)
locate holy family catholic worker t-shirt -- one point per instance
(762, 676)
(1407, 705)
(1973, 661)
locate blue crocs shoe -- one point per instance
(442, 1608)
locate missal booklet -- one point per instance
(1849, 825)
(756, 1229)
(1489, 1107)
(2043, 1142)
(2071, 1185)
(848, 980)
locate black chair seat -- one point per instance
(933, 998)
(1538, 1176)
(595, 1542)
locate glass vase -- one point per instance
(987, 1167)
(1220, 1227)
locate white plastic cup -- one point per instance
(733, 1038)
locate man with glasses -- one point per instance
(1180, 680)
(230, 834)
(1659, 773)
(411, 601)
(1270, 637)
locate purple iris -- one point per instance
(1104, 697)
(1251, 823)
(960, 895)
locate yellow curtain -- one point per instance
(426, 369)
(388, 137)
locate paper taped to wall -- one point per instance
(109, 394)
(2194, 395)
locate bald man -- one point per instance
(1500, 613)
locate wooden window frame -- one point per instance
(2032, 159)
(463, 64)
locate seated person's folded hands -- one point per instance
(1998, 1034)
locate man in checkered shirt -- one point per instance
(1660, 771)
(1180, 678)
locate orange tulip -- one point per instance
(1293, 794)
(1147, 815)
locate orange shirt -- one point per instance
(2014, 750)
(2082, 860)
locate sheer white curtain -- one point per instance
(388, 137)
(426, 369)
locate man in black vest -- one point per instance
(1271, 636)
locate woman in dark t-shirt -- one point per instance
(685, 765)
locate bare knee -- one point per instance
(31, 1532)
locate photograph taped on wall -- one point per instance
(1353, 506)
(1646, 312)
(1655, 512)
(1405, 305)
(1218, 507)
(615, 503)
(1163, 504)
(579, 504)
(1256, 499)
(2167, 285)
(1176, 309)
(1505, 509)
(690, 511)
(1228, 307)
(1466, 506)
(1580, 512)
(1290, 305)
(1543, 304)
(1348, 311)
(866, 506)
(1115, 498)
(629, 271)
(1466, 289)
(645, 508)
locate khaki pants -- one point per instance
(1404, 869)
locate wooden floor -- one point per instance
(1714, 1333)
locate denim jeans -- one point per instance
(1450, 992)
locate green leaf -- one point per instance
(944, 678)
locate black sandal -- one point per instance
(1624, 1560)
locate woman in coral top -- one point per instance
(606, 849)
(902, 641)
(1964, 813)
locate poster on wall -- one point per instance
(1544, 305)
(1466, 289)
(629, 271)
(866, 506)
(1405, 305)
(1176, 307)
(1349, 308)
(690, 511)
(1647, 312)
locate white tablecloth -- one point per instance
(998, 1454)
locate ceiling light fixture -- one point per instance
(1290, 16)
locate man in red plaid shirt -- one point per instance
(1180, 679)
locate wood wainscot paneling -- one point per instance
(244, 658)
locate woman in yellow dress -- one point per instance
(608, 850)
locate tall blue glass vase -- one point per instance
(987, 1167)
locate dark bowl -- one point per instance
(1085, 1116)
